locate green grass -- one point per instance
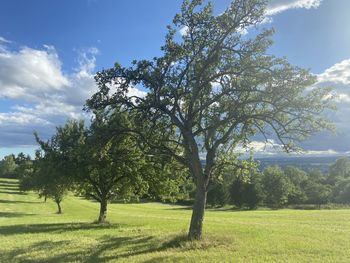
(31, 231)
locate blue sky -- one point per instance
(49, 51)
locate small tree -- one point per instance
(317, 190)
(275, 186)
(216, 88)
(298, 179)
(44, 175)
(24, 165)
(245, 192)
(218, 194)
(8, 166)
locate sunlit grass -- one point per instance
(31, 231)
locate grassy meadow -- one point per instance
(31, 231)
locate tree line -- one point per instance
(242, 185)
(276, 187)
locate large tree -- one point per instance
(216, 87)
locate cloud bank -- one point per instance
(35, 93)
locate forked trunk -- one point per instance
(103, 211)
(196, 226)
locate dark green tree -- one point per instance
(245, 192)
(340, 169)
(275, 186)
(298, 179)
(24, 165)
(110, 163)
(8, 166)
(339, 175)
(44, 174)
(218, 194)
(216, 88)
(317, 190)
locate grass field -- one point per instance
(30, 231)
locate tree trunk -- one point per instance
(103, 211)
(201, 178)
(196, 226)
(59, 209)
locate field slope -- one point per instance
(30, 231)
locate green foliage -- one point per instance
(275, 186)
(341, 191)
(245, 193)
(107, 162)
(8, 166)
(340, 169)
(339, 175)
(168, 181)
(44, 174)
(216, 88)
(24, 165)
(317, 190)
(298, 179)
(218, 195)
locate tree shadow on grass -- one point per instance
(135, 245)
(65, 251)
(214, 209)
(180, 208)
(52, 228)
(9, 186)
(13, 214)
(143, 245)
(11, 192)
(132, 246)
(2, 181)
(23, 254)
(108, 248)
(2, 201)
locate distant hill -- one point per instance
(305, 162)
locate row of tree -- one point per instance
(276, 187)
(102, 162)
(85, 162)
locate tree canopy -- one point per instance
(217, 88)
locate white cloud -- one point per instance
(26, 73)
(4, 40)
(183, 31)
(136, 92)
(45, 95)
(278, 6)
(272, 148)
(338, 73)
(269, 147)
(337, 77)
(40, 94)
(19, 118)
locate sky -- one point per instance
(50, 50)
